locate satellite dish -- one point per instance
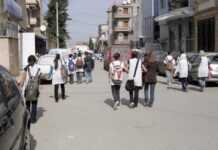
(43, 28)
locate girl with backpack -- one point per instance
(31, 87)
(71, 68)
(58, 77)
(116, 72)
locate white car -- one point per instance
(45, 63)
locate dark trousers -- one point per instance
(149, 93)
(116, 92)
(71, 76)
(134, 96)
(62, 91)
(32, 108)
(184, 83)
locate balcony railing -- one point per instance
(8, 30)
(120, 42)
(122, 29)
(122, 15)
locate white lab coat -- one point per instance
(182, 66)
(57, 76)
(203, 70)
(138, 77)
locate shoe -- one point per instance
(64, 97)
(116, 104)
(145, 104)
(150, 105)
(56, 100)
(132, 105)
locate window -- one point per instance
(162, 4)
(206, 35)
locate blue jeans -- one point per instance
(88, 75)
(149, 93)
(79, 76)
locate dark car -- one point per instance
(14, 118)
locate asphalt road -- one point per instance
(86, 121)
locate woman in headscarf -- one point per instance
(182, 70)
(203, 70)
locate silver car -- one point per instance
(213, 67)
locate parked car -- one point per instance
(46, 63)
(213, 67)
(14, 117)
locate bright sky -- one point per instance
(86, 16)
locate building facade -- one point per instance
(176, 25)
(206, 25)
(102, 37)
(13, 18)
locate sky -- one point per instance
(86, 15)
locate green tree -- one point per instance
(91, 44)
(63, 18)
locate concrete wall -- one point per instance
(9, 54)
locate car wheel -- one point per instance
(27, 143)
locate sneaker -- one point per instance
(131, 105)
(116, 104)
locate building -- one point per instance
(206, 25)
(176, 25)
(13, 18)
(120, 24)
(35, 20)
(102, 37)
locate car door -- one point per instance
(12, 117)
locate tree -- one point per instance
(91, 44)
(63, 18)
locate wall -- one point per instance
(204, 15)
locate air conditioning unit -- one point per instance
(33, 21)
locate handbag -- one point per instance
(130, 85)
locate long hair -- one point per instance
(151, 56)
(57, 58)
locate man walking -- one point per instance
(88, 67)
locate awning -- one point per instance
(176, 14)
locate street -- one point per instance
(86, 121)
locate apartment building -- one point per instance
(206, 25)
(120, 26)
(176, 25)
(102, 37)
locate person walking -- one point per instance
(79, 68)
(71, 68)
(135, 74)
(31, 87)
(203, 70)
(58, 78)
(116, 73)
(88, 67)
(170, 68)
(182, 69)
(150, 69)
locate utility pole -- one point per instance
(57, 25)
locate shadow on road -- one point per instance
(40, 112)
(109, 102)
(33, 143)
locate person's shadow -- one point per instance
(33, 142)
(40, 113)
(110, 102)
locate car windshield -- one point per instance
(46, 60)
(213, 59)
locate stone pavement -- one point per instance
(86, 121)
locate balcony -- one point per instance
(122, 15)
(121, 42)
(122, 29)
(177, 4)
(32, 3)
